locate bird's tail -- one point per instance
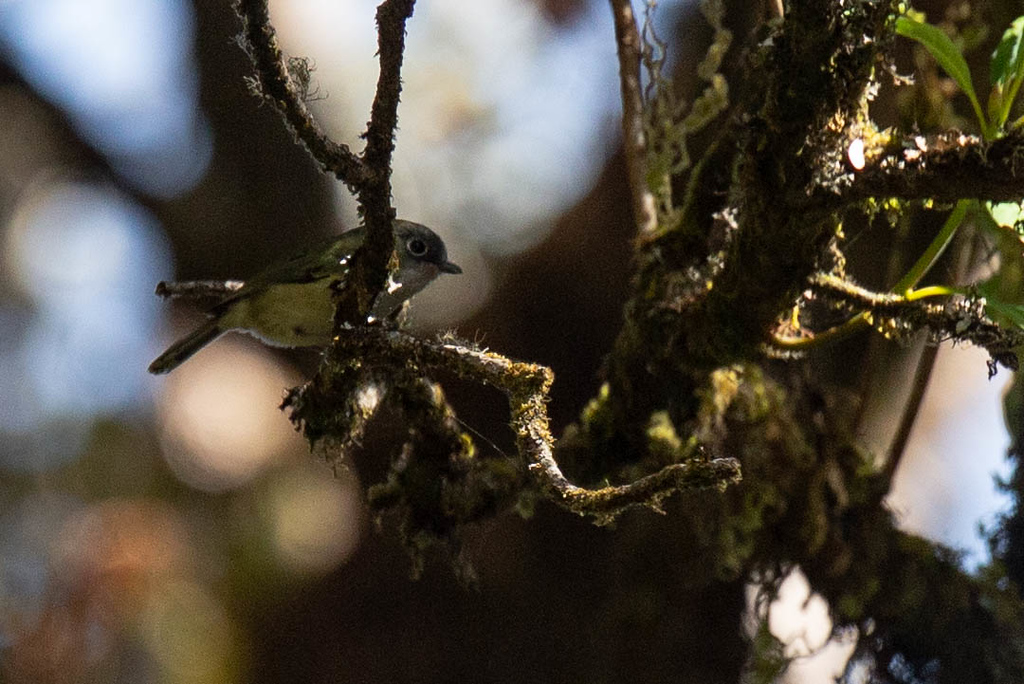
(183, 349)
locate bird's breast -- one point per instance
(286, 314)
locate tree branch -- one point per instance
(634, 141)
(275, 84)
(946, 168)
(380, 131)
(961, 319)
(370, 267)
(911, 408)
(197, 289)
(526, 385)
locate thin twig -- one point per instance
(275, 84)
(634, 142)
(197, 289)
(911, 409)
(960, 319)
(380, 131)
(850, 292)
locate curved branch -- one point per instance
(961, 319)
(275, 84)
(526, 385)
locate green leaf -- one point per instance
(937, 246)
(1013, 411)
(1008, 55)
(941, 47)
(1006, 71)
(1004, 291)
(1006, 315)
(996, 104)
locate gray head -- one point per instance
(422, 257)
(418, 246)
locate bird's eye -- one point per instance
(416, 247)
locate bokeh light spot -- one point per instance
(316, 520)
(123, 72)
(190, 635)
(221, 424)
(84, 256)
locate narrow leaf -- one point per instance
(1006, 70)
(941, 47)
(1004, 290)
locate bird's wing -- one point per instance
(327, 259)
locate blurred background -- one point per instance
(176, 529)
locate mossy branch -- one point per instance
(526, 385)
(368, 363)
(372, 262)
(945, 168)
(276, 84)
(197, 289)
(760, 218)
(959, 319)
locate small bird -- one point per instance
(290, 304)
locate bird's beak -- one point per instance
(449, 267)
